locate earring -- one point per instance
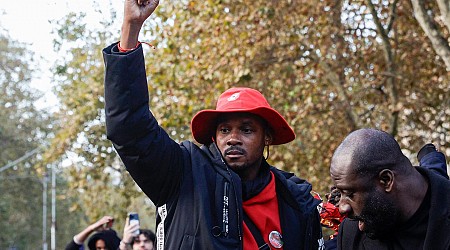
(268, 152)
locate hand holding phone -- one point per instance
(133, 219)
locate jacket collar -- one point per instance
(439, 219)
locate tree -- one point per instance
(436, 27)
(22, 129)
(95, 176)
(329, 66)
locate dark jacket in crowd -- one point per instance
(433, 160)
(198, 195)
(438, 229)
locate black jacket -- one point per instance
(438, 230)
(199, 198)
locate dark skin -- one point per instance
(135, 13)
(367, 200)
(381, 198)
(241, 138)
(351, 188)
(100, 245)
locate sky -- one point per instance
(28, 22)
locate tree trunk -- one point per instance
(439, 43)
(390, 64)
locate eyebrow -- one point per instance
(344, 188)
(244, 123)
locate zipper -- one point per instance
(237, 203)
(235, 195)
(226, 195)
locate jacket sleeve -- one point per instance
(430, 158)
(317, 239)
(73, 246)
(151, 157)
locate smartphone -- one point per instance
(134, 219)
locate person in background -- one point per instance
(428, 157)
(105, 238)
(145, 240)
(222, 194)
(389, 203)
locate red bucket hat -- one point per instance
(203, 125)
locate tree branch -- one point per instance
(392, 16)
(390, 66)
(444, 7)
(439, 43)
(336, 78)
(333, 78)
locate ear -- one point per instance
(386, 179)
(267, 139)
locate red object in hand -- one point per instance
(330, 216)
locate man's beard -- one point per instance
(380, 216)
(237, 167)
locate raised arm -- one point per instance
(128, 235)
(152, 158)
(79, 238)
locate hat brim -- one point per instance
(203, 124)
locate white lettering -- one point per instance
(162, 211)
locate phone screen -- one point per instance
(134, 219)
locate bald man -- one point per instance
(390, 203)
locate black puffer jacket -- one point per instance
(199, 197)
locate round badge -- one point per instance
(275, 239)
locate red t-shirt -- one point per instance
(263, 212)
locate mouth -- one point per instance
(234, 153)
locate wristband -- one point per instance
(124, 245)
(126, 50)
(137, 45)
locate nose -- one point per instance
(233, 138)
(344, 207)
